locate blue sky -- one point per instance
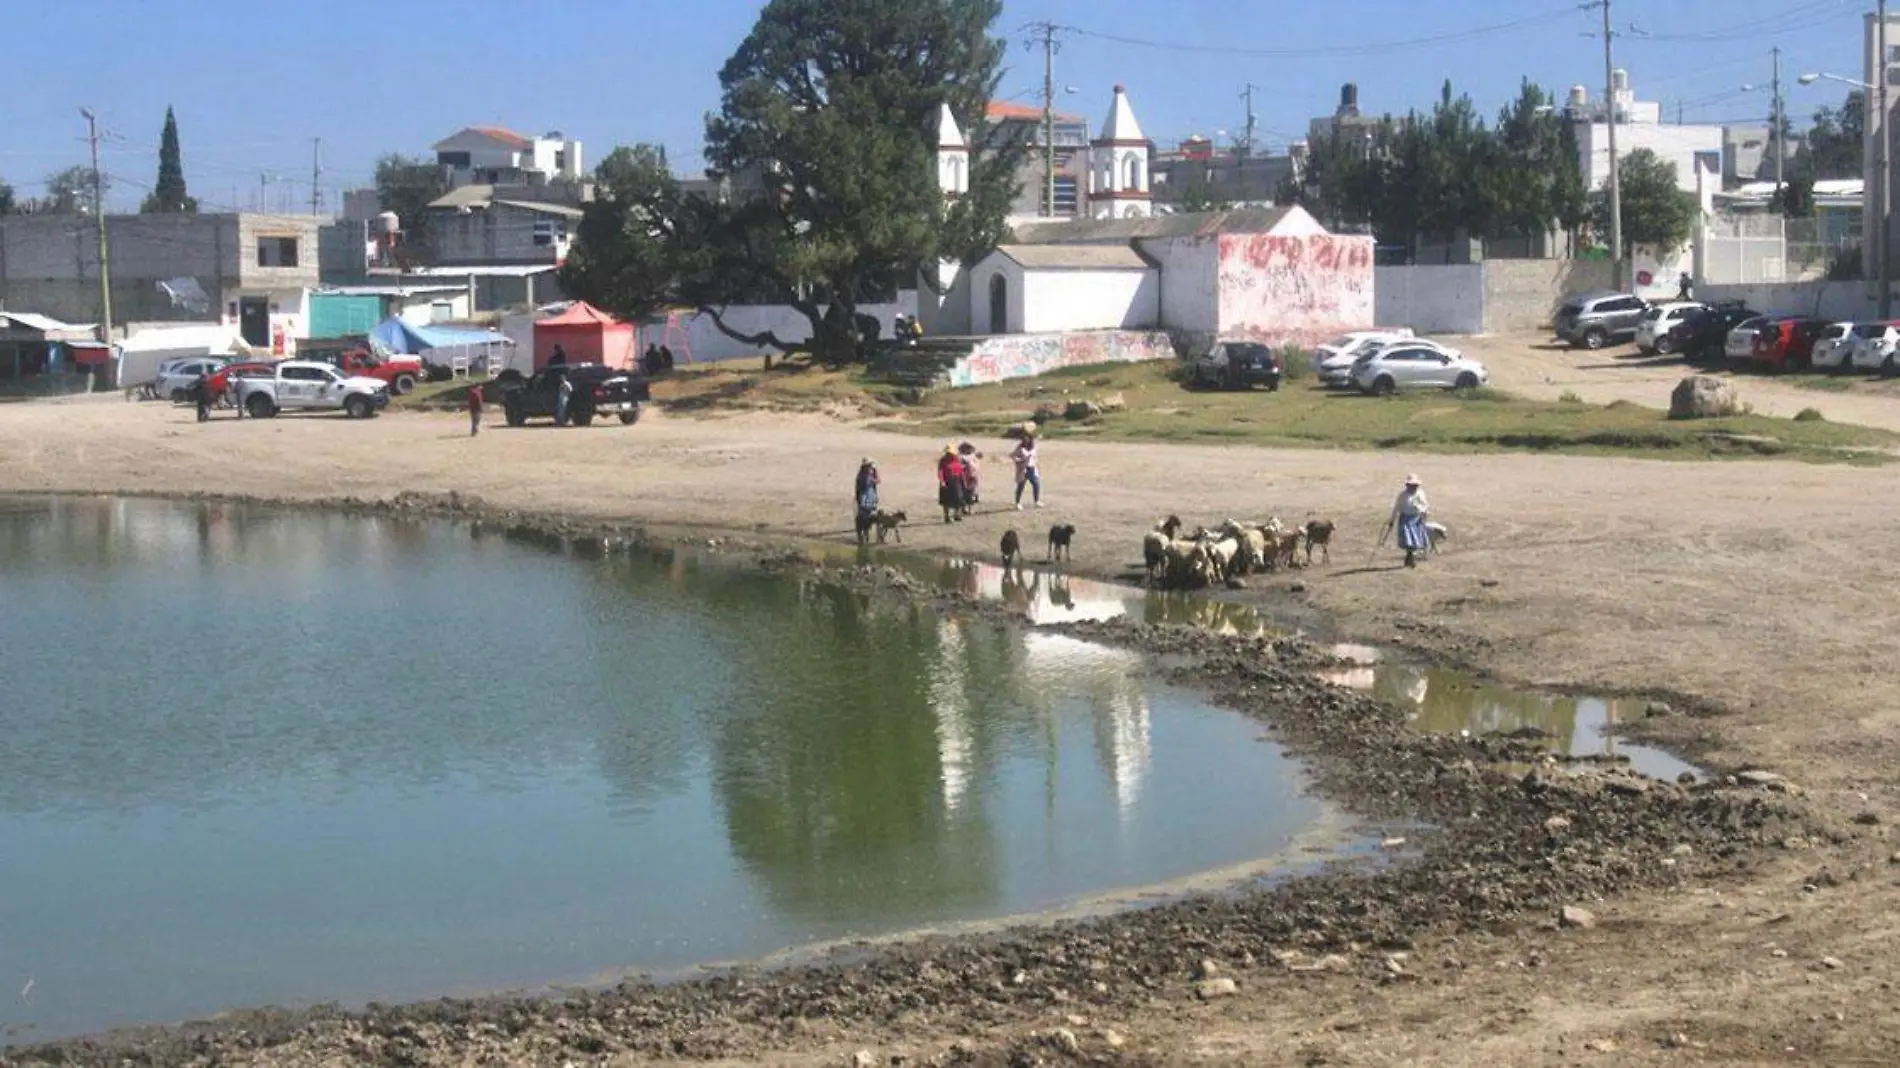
(254, 81)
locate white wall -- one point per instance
(1090, 300)
(1675, 144)
(1834, 301)
(946, 312)
(988, 268)
(1431, 299)
(1190, 282)
(420, 310)
(704, 343)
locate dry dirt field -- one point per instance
(1765, 587)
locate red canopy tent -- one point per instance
(586, 335)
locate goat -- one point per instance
(1319, 535)
(1169, 527)
(1284, 547)
(1012, 547)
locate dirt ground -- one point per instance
(1763, 587)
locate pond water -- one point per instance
(266, 757)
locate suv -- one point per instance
(1238, 365)
(1597, 319)
(1705, 333)
(598, 390)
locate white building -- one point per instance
(1639, 125)
(1119, 165)
(490, 155)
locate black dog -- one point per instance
(889, 524)
(1012, 548)
(1060, 536)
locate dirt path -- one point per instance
(1533, 366)
(1766, 587)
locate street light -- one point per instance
(1882, 180)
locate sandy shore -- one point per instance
(1763, 588)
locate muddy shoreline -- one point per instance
(1517, 835)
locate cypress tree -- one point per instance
(168, 195)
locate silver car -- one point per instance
(176, 377)
(1597, 319)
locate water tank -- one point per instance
(1579, 96)
(1620, 80)
(388, 223)
(1349, 99)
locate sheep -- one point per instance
(1319, 535)
(1154, 551)
(1182, 556)
(1253, 551)
(1218, 558)
(1283, 547)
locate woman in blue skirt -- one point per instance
(1408, 519)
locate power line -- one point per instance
(1795, 18)
(1473, 33)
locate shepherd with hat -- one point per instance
(1408, 519)
(950, 484)
(864, 495)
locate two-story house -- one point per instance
(490, 155)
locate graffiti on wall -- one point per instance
(1028, 355)
(1295, 290)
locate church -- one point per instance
(1263, 274)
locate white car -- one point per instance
(1333, 360)
(1834, 346)
(1740, 343)
(1874, 346)
(1416, 365)
(305, 385)
(176, 377)
(1652, 331)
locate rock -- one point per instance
(1703, 397)
(1895, 859)
(1114, 402)
(1236, 584)
(1624, 784)
(1758, 778)
(1391, 843)
(1832, 963)
(1114, 1039)
(1296, 586)
(1209, 989)
(1681, 849)
(1603, 1045)
(1063, 1041)
(1045, 413)
(863, 1059)
(1207, 969)
(1572, 916)
(1081, 409)
(1019, 979)
(1866, 819)
(1658, 708)
(1777, 952)
(1556, 825)
(1331, 962)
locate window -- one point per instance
(305, 374)
(1066, 195)
(452, 159)
(547, 233)
(277, 252)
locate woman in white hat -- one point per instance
(1408, 518)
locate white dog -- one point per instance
(1437, 532)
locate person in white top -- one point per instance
(1408, 519)
(1026, 474)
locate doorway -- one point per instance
(254, 321)
(999, 304)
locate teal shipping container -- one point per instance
(343, 314)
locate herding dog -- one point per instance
(1012, 548)
(1436, 533)
(1060, 536)
(889, 524)
(1319, 535)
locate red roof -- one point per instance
(505, 136)
(579, 313)
(1004, 111)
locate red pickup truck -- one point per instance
(400, 372)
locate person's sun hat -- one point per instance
(1411, 480)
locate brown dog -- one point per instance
(889, 524)
(1319, 535)
(1012, 548)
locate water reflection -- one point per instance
(1442, 700)
(256, 756)
(1045, 596)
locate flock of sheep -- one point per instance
(1211, 557)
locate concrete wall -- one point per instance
(1430, 299)
(1057, 300)
(498, 234)
(1672, 143)
(1525, 294)
(1294, 289)
(694, 337)
(945, 309)
(1834, 301)
(995, 359)
(982, 277)
(1190, 282)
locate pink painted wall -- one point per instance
(1298, 289)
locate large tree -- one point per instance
(168, 193)
(1834, 148)
(406, 185)
(70, 191)
(826, 130)
(1530, 177)
(626, 253)
(1655, 211)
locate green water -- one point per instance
(260, 757)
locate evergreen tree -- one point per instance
(168, 194)
(1655, 211)
(7, 206)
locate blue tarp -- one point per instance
(398, 336)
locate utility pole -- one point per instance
(316, 175)
(1246, 142)
(1777, 118)
(1046, 36)
(99, 216)
(1882, 164)
(1616, 178)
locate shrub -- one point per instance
(1296, 362)
(1809, 415)
(1569, 397)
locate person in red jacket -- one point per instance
(950, 476)
(474, 410)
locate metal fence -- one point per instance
(1745, 249)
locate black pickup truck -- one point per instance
(598, 391)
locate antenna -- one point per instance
(316, 175)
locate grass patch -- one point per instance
(1827, 384)
(1300, 415)
(1809, 415)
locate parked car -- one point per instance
(1652, 331)
(1333, 360)
(1874, 346)
(1786, 343)
(598, 390)
(1415, 366)
(306, 385)
(176, 377)
(1704, 333)
(1237, 365)
(1833, 347)
(1597, 319)
(1738, 344)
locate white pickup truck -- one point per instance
(302, 385)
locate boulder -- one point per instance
(1044, 413)
(1572, 916)
(1209, 989)
(1081, 409)
(1114, 402)
(1703, 397)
